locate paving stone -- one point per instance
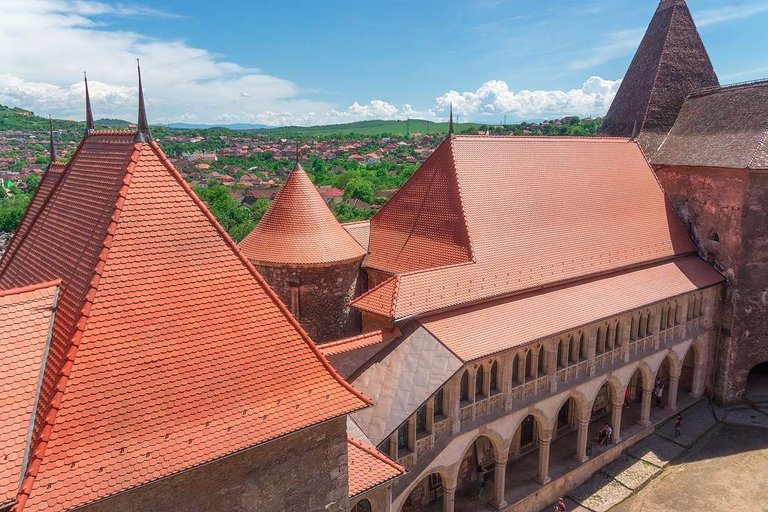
(599, 493)
(631, 472)
(656, 450)
(697, 420)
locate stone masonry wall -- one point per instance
(324, 297)
(304, 471)
(725, 211)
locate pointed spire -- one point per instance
(450, 122)
(89, 128)
(142, 133)
(634, 130)
(298, 156)
(51, 148)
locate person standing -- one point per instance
(480, 478)
(626, 396)
(560, 505)
(659, 392)
(678, 425)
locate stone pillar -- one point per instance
(581, 440)
(699, 372)
(388, 500)
(452, 398)
(616, 421)
(449, 497)
(672, 389)
(544, 442)
(591, 349)
(552, 366)
(645, 414)
(499, 483)
(656, 312)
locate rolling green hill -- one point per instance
(370, 128)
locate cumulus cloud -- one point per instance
(494, 97)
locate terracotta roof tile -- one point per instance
(26, 315)
(492, 327)
(299, 229)
(539, 211)
(166, 335)
(368, 467)
(357, 342)
(360, 231)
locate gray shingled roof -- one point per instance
(670, 63)
(722, 127)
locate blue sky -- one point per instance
(306, 62)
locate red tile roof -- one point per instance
(26, 315)
(360, 231)
(538, 211)
(357, 342)
(165, 336)
(299, 229)
(491, 327)
(368, 467)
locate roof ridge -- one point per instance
(545, 138)
(376, 453)
(37, 454)
(30, 287)
(259, 279)
(455, 170)
(704, 91)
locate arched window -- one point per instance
(691, 307)
(479, 377)
(494, 377)
(573, 350)
(617, 335)
(608, 338)
(464, 392)
(402, 438)
(678, 313)
(582, 347)
(421, 419)
(516, 370)
(600, 341)
(632, 327)
(362, 506)
(528, 364)
(699, 304)
(649, 324)
(439, 403)
(542, 362)
(641, 326)
(561, 357)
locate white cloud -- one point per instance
(494, 98)
(730, 13)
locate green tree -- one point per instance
(259, 208)
(359, 188)
(235, 219)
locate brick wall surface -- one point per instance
(305, 471)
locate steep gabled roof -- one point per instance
(368, 467)
(299, 229)
(422, 226)
(538, 211)
(168, 349)
(720, 127)
(670, 62)
(26, 315)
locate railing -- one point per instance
(531, 388)
(607, 358)
(407, 461)
(640, 346)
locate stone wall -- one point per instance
(304, 471)
(324, 294)
(726, 212)
(380, 498)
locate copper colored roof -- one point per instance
(720, 127)
(488, 328)
(357, 342)
(360, 231)
(26, 315)
(670, 62)
(299, 229)
(168, 349)
(368, 467)
(538, 212)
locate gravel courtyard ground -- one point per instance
(727, 470)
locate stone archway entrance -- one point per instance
(426, 496)
(757, 383)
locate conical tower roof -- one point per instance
(670, 63)
(299, 229)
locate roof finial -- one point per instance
(51, 148)
(298, 155)
(450, 122)
(142, 133)
(89, 128)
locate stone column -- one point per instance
(452, 398)
(388, 500)
(656, 312)
(645, 414)
(581, 440)
(616, 421)
(499, 483)
(544, 442)
(672, 389)
(449, 497)
(591, 349)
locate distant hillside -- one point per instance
(370, 128)
(23, 120)
(236, 126)
(112, 123)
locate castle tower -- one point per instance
(706, 144)
(670, 62)
(308, 258)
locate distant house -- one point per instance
(331, 194)
(355, 157)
